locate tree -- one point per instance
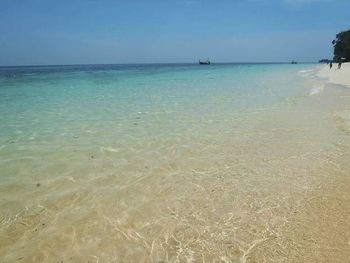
(325, 60)
(342, 46)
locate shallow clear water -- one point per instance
(48, 111)
(133, 163)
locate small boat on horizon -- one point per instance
(204, 62)
(294, 62)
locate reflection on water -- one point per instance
(173, 164)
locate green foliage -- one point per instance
(342, 46)
(325, 60)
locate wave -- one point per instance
(109, 149)
(306, 70)
(316, 90)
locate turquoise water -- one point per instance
(43, 101)
(128, 163)
(72, 111)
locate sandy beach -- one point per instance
(335, 75)
(237, 163)
(174, 131)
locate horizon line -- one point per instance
(150, 63)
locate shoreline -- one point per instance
(267, 186)
(335, 75)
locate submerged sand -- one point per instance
(279, 192)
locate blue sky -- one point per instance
(105, 31)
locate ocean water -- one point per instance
(70, 112)
(164, 163)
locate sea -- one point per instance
(172, 163)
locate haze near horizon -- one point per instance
(38, 32)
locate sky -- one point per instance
(56, 32)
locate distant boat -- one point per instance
(294, 62)
(204, 62)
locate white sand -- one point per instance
(335, 75)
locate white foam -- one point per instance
(316, 90)
(109, 149)
(306, 70)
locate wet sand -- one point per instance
(277, 192)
